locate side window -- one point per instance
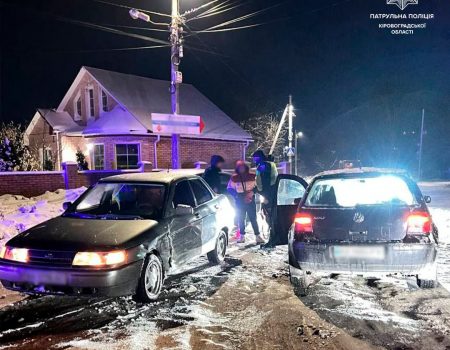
(288, 191)
(201, 193)
(183, 195)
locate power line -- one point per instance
(129, 7)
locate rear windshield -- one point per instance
(350, 192)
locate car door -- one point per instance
(206, 209)
(184, 230)
(289, 190)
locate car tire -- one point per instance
(300, 283)
(151, 280)
(428, 278)
(217, 256)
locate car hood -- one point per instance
(72, 234)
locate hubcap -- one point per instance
(152, 279)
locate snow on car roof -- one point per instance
(363, 170)
(163, 176)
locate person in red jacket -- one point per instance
(242, 186)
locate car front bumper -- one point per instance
(34, 279)
(403, 258)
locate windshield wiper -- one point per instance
(119, 217)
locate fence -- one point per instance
(34, 183)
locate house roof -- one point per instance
(142, 96)
(59, 120)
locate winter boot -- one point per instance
(241, 239)
(260, 240)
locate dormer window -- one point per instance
(91, 102)
(104, 101)
(77, 107)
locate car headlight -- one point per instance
(99, 258)
(14, 254)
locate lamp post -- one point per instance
(176, 42)
(298, 135)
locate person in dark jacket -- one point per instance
(212, 174)
(241, 186)
(266, 175)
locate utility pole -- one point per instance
(290, 134)
(176, 54)
(419, 175)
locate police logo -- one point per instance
(402, 4)
(358, 218)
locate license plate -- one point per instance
(355, 252)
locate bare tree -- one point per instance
(263, 129)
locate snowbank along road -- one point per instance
(247, 303)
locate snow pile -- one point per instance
(18, 213)
(441, 218)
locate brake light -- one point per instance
(303, 223)
(14, 254)
(418, 223)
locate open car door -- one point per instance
(288, 192)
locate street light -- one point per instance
(298, 135)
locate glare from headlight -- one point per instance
(99, 258)
(14, 254)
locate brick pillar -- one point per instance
(70, 170)
(145, 167)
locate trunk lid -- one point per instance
(360, 224)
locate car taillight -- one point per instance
(14, 254)
(99, 258)
(303, 223)
(418, 223)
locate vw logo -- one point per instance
(358, 218)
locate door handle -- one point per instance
(197, 215)
(217, 206)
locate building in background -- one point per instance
(108, 117)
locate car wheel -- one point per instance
(151, 280)
(217, 256)
(299, 282)
(428, 278)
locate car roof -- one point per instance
(365, 171)
(161, 177)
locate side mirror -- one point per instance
(182, 210)
(66, 205)
(427, 199)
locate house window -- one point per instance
(104, 101)
(77, 107)
(127, 156)
(98, 157)
(91, 102)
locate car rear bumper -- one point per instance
(70, 281)
(404, 258)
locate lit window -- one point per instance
(91, 103)
(98, 155)
(127, 156)
(104, 101)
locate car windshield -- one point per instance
(116, 201)
(351, 192)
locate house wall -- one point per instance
(41, 136)
(82, 86)
(191, 150)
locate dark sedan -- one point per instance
(123, 236)
(364, 221)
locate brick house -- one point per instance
(108, 116)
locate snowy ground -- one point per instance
(247, 303)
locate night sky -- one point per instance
(356, 88)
